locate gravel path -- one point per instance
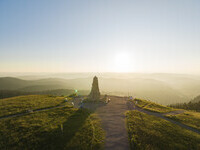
(174, 112)
(113, 120)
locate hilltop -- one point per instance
(49, 122)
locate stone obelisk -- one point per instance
(95, 94)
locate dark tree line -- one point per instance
(192, 105)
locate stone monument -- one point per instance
(95, 94)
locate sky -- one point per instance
(100, 36)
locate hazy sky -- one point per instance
(100, 36)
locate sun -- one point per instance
(122, 62)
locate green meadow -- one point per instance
(151, 106)
(148, 132)
(189, 118)
(21, 104)
(59, 128)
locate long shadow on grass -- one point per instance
(59, 138)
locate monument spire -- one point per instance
(95, 94)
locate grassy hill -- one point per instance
(152, 133)
(61, 128)
(58, 128)
(151, 106)
(189, 118)
(70, 128)
(21, 104)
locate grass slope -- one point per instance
(151, 133)
(189, 118)
(56, 92)
(151, 106)
(20, 104)
(60, 128)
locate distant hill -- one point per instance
(8, 83)
(161, 88)
(151, 89)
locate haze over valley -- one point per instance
(161, 88)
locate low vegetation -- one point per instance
(148, 105)
(189, 118)
(55, 92)
(152, 133)
(196, 99)
(192, 105)
(188, 106)
(21, 104)
(59, 128)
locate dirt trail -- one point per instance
(113, 120)
(176, 112)
(132, 106)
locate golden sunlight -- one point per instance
(122, 62)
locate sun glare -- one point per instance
(122, 62)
